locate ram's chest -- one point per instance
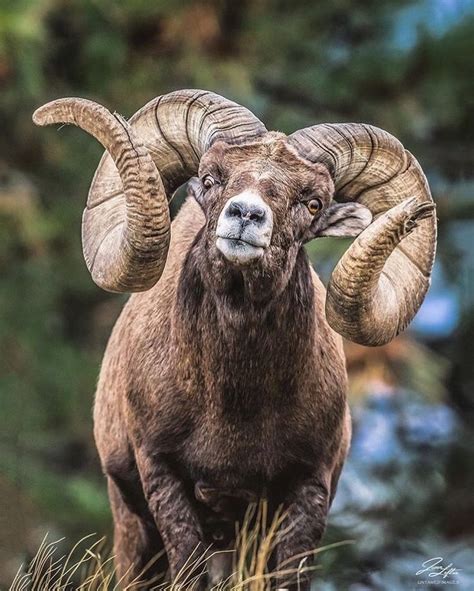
(250, 453)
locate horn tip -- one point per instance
(39, 116)
(59, 111)
(44, 115)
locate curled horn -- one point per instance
(126, 224)
(381, 280)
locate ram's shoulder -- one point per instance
(184, 228)
(332, 341)
(187, 223)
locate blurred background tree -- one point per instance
(404, 65)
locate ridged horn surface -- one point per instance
(381, 280)
(125, 228)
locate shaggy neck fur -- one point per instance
(228, 328)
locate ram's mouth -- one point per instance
(238, 251)
(240, 241)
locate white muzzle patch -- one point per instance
(244, 229)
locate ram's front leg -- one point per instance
(175, 518)
(302, 530)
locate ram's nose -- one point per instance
(244, 229)
(246, 217)
(246, 210)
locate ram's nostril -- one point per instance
(256, 214)
(234, 209)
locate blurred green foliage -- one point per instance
(293, 64)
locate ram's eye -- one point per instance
(314, 206)
(208, 181)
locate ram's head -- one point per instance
(262, 202)
(264, 195)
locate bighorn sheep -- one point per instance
(224, 381)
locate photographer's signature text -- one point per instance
(434, 567)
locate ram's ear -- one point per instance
(344, 220)
(195, 188)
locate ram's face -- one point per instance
(263, 201)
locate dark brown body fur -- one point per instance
(193, 389)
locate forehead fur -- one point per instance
(271, 157)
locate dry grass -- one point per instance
(89, 566)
